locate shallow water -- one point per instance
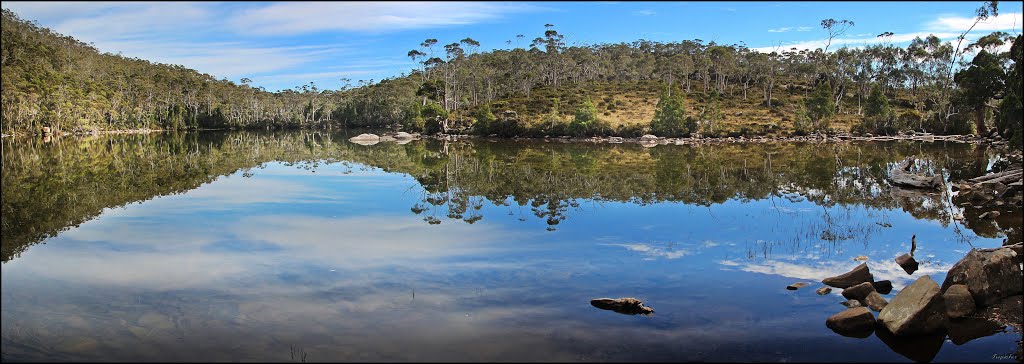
(300, 246)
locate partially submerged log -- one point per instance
(901, 176)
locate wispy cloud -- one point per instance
(855, 42)
(644, 12)
(1005, 21)
(780, 30)
(298, 18)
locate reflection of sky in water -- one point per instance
(335, 264)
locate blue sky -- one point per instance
(283, 45)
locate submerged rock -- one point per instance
(824, 290)
(797, 285)
(859, 292)
(853, 322)
(990, 275)
(959, 302)
(882, 287)
(907, 262)
(917, 309)
(626, 306)
(854, 277)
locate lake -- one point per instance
(303, 246)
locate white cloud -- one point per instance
(644, 12)
(298, 18)
(804, 29)
(855, 42)
(1005, 21)
(780, 30)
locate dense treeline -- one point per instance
(543, 88)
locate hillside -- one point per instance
(52, 80)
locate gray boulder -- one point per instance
(990, 275)
(855, 322)
(852, 278)
(959, 302)
(917, 309)
(365, 139)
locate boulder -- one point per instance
(649, 138)
(907, 262)
(854, 277)
(917, 309)
(1007, 311)
(851, 303)
(882, 287)
(626, 306)
(365, 139)
(859, 292)
(990, 275)
(854, 322)
(824, 291)
(797, 285)
(959, 302)
(403, 135)
(875, 301)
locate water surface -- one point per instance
(301, 245)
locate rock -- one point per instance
(858, 292)
(882, 287)
(387, 138)
(615, 140)
(403, 135)
(959, 302)
(860, 258)
(365, 139)
(918, 348)
(854, 277)
(853, 322)
(990, 275)
(824, 291)
(649, 138)
(1007, 312)
(797, 285)
(901, 176)
(907, 262)
(851, 303)
(917, 309)
(626, 306)
(875, 301)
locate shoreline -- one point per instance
(646, 140)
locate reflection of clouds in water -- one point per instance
(666, 251)
(163, 255)
(881, 270)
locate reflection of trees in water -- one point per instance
(48, 187)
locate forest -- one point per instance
(545, 88)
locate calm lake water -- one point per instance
(295, 246)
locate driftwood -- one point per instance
(1001, 177)
(901, 176)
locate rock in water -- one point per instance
(859, 292)
(917, 309)
(959, 302)
(626, 306)
(852, 278)
(797, 285)
(853, 322)
(990, 275)
(883, 287)
(851, 303)
(365, 139)
(965, 329)
(918, 348)
(875, 301)
(907, 262)
(824, 290)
